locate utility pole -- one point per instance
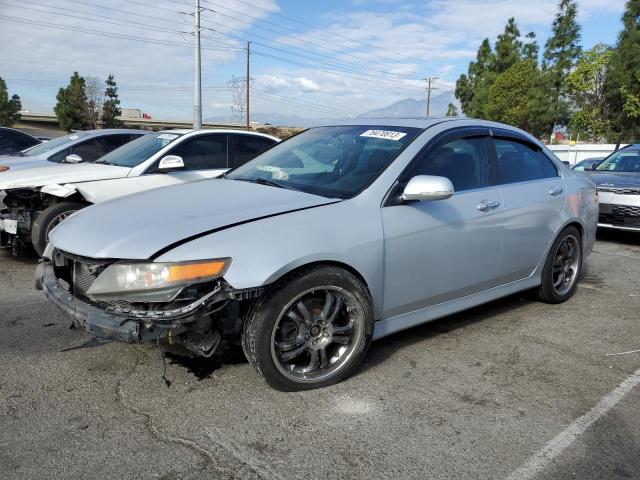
(248, 83)
(197, 79)
(429, 88)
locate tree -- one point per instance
(95, 99)
(561, 53)
(585, 85)
(452, 110)
(622, 87)
(72, 109)
(111, 107)
(530, 49)
(9, 108)
(516, 98)
(508, 47)
(471, 88)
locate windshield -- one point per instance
(134, 153)
(625, 160)
(334, 162)
(53, 144)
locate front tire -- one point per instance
(310, 330)
(49, 218)
(562, 267)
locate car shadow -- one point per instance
(25, 256)
(381, 350)
(618, 236)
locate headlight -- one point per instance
(154, 282)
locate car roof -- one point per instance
(15, 130)
(416, 122)
(108, 131)
(424, 122)
(237, 131)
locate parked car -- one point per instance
(587, 164)
(84, 146)
(34, 201)
(13, 141)
(618, 180)
(337, 236)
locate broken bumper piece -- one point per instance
(95, 320)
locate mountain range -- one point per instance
(408, 107)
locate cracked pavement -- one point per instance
(470, 396)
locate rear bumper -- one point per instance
(93, 319)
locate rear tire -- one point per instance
(47, 220)
(562, 267)
(310, 330)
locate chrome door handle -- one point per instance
(555, 191)
(486, 205)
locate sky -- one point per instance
(309, 58)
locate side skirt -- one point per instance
(428, 314)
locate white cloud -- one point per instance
(306, 85)
(380, 49)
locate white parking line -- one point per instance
(543, 457)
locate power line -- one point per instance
(348, 67)
(315, 27)
(357, 56)
(302, 103)
(121, 86)
(128, 23)
(381, 80)
(124, 23)
(128, 12)
(295, 104)
(107, 34)
(339, 74)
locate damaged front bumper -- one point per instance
(196, 327)
(95, 320)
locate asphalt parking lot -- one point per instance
(514, 389)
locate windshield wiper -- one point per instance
(102, 162)
(270, 183)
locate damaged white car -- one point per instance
(34, 200)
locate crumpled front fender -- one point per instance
(56, 190)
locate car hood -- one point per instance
(18, 163)
(616, 179)
(140, 225)
(59, 173)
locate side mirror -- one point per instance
(170, 163)
(427, 188)
(73, 158)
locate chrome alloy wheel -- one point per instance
(565, 264)
(57, 221)
(317, 333)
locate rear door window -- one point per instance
(248, 146)
(204, 152)
(90, 150)
(111, 142)
(518, 162)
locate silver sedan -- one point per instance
(327, 241)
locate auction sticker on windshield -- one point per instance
(386, 134)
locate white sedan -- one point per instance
(34, 200)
